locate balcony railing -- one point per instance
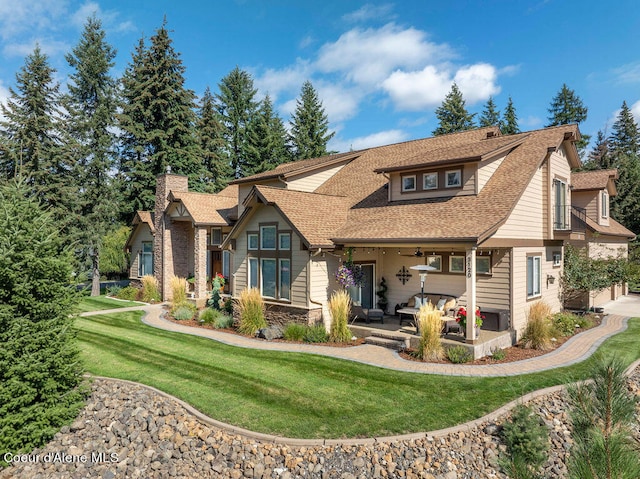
(561, 217)
(578, 220)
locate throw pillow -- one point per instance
(441, 304)
(417, 302)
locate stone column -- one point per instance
(200, 261)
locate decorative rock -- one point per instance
(270, 333)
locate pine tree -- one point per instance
(40, 371)
(211, 138)
(309, 125)
(269, 147)
(91, 105)
(237, 109)
(567, 107)
(31, 139)
(599, 157)
(625, 136)
(452, 114)
(509, 125)
(158, 119)
(490, 115)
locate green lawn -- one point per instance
(97, 303)
(304, 395)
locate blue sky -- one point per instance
(380, 68)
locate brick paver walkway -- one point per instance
(574, 350)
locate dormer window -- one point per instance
(453, 178)
(430, 181)
(604, 198)
(409, 183)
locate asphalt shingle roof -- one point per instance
(592, 180)
(207, 209)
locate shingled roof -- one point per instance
(353, 206)
(207, 209)
(592, 180)
(613, 229)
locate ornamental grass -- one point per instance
(340, 308)
(150, 289)
(178, 287)
(430, 325)
(539, 330)
(251, 308)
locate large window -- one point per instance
(533, 276)
(561, 208)
(604, 198)
(269, 264)
(145, 260)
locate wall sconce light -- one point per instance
(550, 279)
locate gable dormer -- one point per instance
(592, 191)
(459, 170)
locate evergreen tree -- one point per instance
(309, 125)
(567, 107)
(91, 105)
(490, 115)
(40, 371)
(31, 140)
(158, 119)
(509, 125)
(599, 157)
(625, 136)
(238, 109)
(269, 147)
(211, 138)
(452, 114)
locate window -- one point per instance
(430, 181)
(226, 264)
(483, 264)
(435, 261)
(145, 261)
(268, 237)
(453, 178)
(456, 264)
(533, 276)
(560, 221)
(284, 241)
(557, 258)
(252, 241)
(284, 268)
(605, 204)
(409, 183)
(268, 276)
(216, 236)
(253, 272)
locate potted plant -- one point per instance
(349, 274)
(382, 295)
(461, 318)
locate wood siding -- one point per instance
(527, 218)
(311, 181)
(299, 257)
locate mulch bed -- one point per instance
(514, 353)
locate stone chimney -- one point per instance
(165, 183)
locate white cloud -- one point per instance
(47, 45)
(369, 12)
(30, 15)
(418, 90)
(289, 79)
(629, 73)
(477, 82)
(4, 96)
(635, 111)
(369, 56)
(387, 137)
(339, 103)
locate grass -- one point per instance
(304, 395)
(97, 303)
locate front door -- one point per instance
(364, 294)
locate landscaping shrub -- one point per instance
(128, 293)
(223, 321)
(316, 334)
(294, 332)
(251, 308)
(340, 308)
(150, 291)
(498, 354)
(179, 288)
(184, 312)
(585, 321)
(207, 316)
(113, 290)
(527, 441)
(228, 306)
(430, 325)
(458, 355)
(40, 369)
(539, 330)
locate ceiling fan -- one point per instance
(416, 254)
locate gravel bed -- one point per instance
(129, 431)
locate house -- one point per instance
(603, 236)
(490, 212)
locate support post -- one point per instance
(470, 333)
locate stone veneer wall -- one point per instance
(162, 259)
(282, 315)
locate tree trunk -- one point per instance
(95, 276)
